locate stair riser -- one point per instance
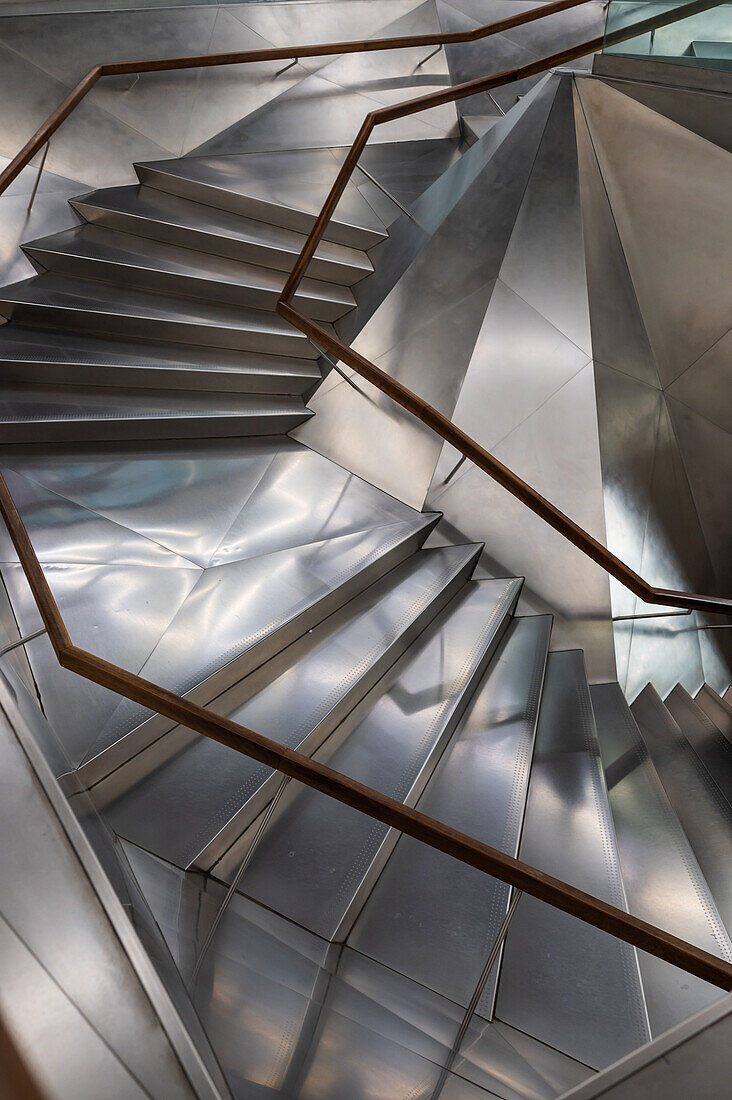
(221, 381)
(187, 286)
(101, 323)
(156, 726)
(184, 427)
(234, 828)
(253, 252)
(257, 208)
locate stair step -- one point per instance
(712, 748)
(151, 213)
(302, 986)
(429, 916)
(64, 358)
(319, 859)
(663, 880)
(698, 803)
(82, 305)
(243, 612)
(324, 676)
(283, 188)
(564, 982)
(716, 709)
(90, 252)
(68, 413)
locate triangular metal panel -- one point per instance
(545, 261)
(671, 195)
(619, 337)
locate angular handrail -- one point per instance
(341, 787)
(414, 404)
(406, 819)
(206, 61)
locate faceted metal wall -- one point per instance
(570, 311)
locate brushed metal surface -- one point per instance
(318, 860)
(173, 220)
(285, 187)
(662, 878)
(55, 357)
(712, 748)
(428, 917)
(89, 252)
(571, 986)
(697, 801)
(91, 306)
(716, 709)
(196, 805)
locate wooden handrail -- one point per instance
(373, 803)
(436, 834)
(206, 61)
(414, 404)
(18, 1082)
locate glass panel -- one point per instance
(703, 40)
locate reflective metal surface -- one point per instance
(716, 709)
(712, 748)
(563, 982)
(698, 803)
(662, 878)
(429, 917)
(196, 806)
(319, 859)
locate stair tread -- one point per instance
(423, 897)
(62, 346)
(697, 801)
(712, 748)
(315, 860)
(149, 205)
(65, 292)
(118, 249)
(581, 991)
(243, 611)
(195, 795)
(298, 180)
(25, 403)
(663, 880)
(717, 709)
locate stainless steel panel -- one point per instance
(65, 358)
(286, 188)
(318, 858)
(703, 385)
(662, 878)
(241, 613)
(429, 916)
(122, 258)
(68, 983)
(716, 709)
(619, 338)
(678, 256)
(547, 236)
(570, 985)
(714, 751)
(90, 306)
(196, 805)
(703, 812)
(708, 115)
(173, 220)
(706, 452)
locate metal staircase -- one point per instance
(335, 620)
